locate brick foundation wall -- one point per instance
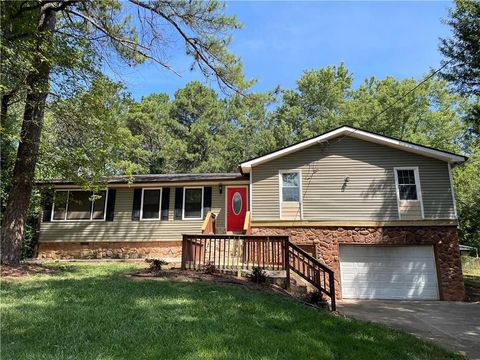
(326, 241)
(171, 250)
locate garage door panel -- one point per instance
(381, 272)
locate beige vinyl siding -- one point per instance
(218, 206)
(369, 195)
(410, 210)
(123, 228)
(290, 210)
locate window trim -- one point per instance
(159, 205)
(66, 207)
(418, 186)
(280, 190)
(183, 203)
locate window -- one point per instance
(60, 205)
(77, 205)
(151, 202)
(193, 203)
(290, 186)
(407, 187)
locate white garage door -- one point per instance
(388, 272)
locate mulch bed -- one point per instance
(21, 270)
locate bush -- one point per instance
(258, 275)
(316, 298)
(156, 264)
(210, 268)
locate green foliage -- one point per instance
(85, 137)
(467, 194)
(314, 106)
(258, 275)
(462, 51)
(199, 132)
(462, 55)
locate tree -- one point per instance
(462, 52)
(324, 99)
(462, 55)
(431, 115)
(93, 31)
(195, 123)
(148, 119)
(467, 194)
(86, 138)
(313, 107)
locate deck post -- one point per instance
(332, 290)
(287, 262)
(184, 253)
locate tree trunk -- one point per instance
(27, 155)
(4, 108)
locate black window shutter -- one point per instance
(110, 204)
(47, 207)
(207, 200)
(137, 201)
(165, 203)
(178, 203)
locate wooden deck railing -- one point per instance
(239, 252)
(235, 252)
(310, 269)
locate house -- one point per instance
(378, 211)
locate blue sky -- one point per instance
(280, 40)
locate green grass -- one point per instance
(471, 275)
(92, 311)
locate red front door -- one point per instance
(236, 208)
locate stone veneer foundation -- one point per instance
(168, 250)
(326, 241)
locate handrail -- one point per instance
(246, 223)
(311, 258)
(233, 236)
(311, 270)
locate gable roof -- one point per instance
(246, 166)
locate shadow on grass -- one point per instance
(104, 315)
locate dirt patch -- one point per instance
(193, 276)
(21, 270)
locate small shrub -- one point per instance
(210, 268)
(316, 298)
(258, 275)
(156, 264)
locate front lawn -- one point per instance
(471, 276)
(92, 311)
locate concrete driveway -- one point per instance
(454, 325)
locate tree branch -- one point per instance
(192, 42)
(129, 44)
